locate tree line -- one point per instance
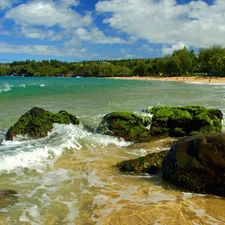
(182, 62)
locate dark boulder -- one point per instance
(146, 164)
(197, 163)
(184, 121)
(37, 122)
(130, 126)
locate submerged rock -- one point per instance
(146, 164)
(37, 122)
(184, 121)
(197, 163)
(7, 197)
(129, 126)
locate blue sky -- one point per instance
(76, 30)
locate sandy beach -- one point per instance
(179, 79)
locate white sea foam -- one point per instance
(39, 153)
(34, 153)
(6, 87)
(33, 213)
(205, 83)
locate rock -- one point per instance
(184, 121)
(166, 121)
(197, 163)
(7, 197)
(37, 122)
(129, 126)
(146, 164)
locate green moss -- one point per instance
(203, 118)
(184, 120)
(127, 125)
(146, 164)
(180, 116)
(161, 113)
(64, 117)
(37, 123)
(159, 130)
(178, 132)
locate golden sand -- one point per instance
(181, 79)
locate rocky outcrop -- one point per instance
(130, 126)
(184, 121)
(161, 121)
(146, 164)
(37, 122)
(197, 163)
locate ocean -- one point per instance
(70, 178)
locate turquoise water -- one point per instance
(95, 97)
(69, 177)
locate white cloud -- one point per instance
(130, 22)
(5, 4)
(130, 56)
(166, 22)
(40, 33)
(47, 19)
(169, 50)
(67, 3)
(150, 20)
(45, 50)
(48, 14)
(124, 51)
(145, 47)
(27, 49)
(93, 35)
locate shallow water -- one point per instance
(69, 177)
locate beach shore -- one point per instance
(179, 79)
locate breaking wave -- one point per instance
(37, 154)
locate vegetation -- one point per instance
(184, 120)
(167, 121)
(129, 126)
(37, 123)
(183, 62)
(145, 164)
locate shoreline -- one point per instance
(178, 79)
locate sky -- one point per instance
(77, 30)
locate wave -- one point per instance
(205, 83)
(38, 154)
(5, 88)
(9, 87)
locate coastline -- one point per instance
(178, 79)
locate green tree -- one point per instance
(183, 60)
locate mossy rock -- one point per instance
(184, 121)
(197, 163)
(146, 164)
(130, 126)
(37, 122)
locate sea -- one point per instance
(70, 177)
